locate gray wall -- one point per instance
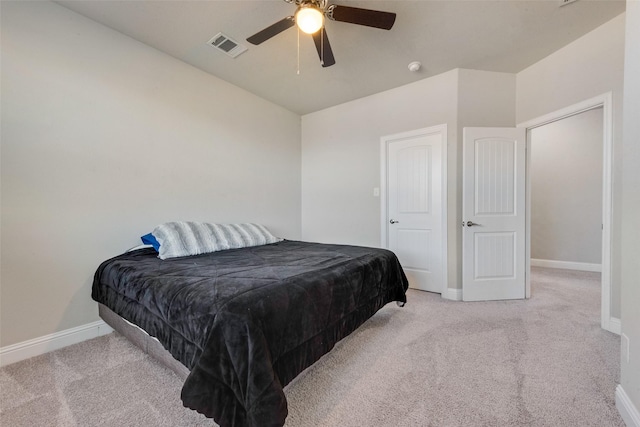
(341, 152)
(341, 156)
(103, 138)
(630, 375)
(566, 189)
(590, 66)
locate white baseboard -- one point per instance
(453, 294)
(566, 265)
(37, 346)
(626, 408)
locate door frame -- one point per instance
(384, 207)
(605, 101)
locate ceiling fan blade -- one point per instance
(323, 47)
(356, 15)
(272, 30)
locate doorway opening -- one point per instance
(566, 193)
(602, 106)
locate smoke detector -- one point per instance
(414, 66)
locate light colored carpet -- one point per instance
(540, 362)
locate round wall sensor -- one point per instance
(414, 66)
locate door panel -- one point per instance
(493, 214)
(415, 208)
(413, 170)
(494, 255)
(413, 248)
(494, 186)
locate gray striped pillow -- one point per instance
(193, 238)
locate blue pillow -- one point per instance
(148, 239)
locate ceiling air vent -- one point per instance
(227, 45)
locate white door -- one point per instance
(414, 220)
(493, 214)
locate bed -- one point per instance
(243, 323)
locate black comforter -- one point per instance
(247, 321)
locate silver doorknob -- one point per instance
(393, 221)
(471, 224)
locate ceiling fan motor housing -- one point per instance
(320, 4)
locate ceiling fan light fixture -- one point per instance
(309, 19)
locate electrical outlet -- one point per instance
(625, 348)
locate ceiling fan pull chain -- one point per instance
(298, 51)
(322, 45)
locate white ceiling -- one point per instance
(502, 35)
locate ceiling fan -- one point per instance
(310, 19)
